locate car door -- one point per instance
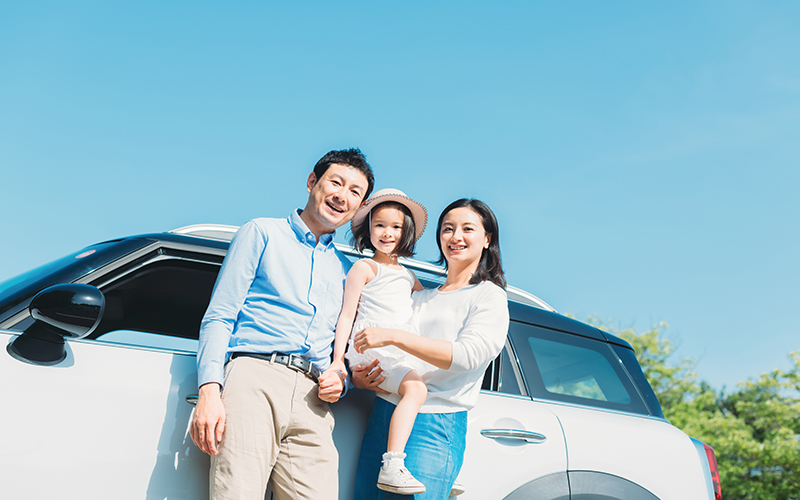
(616, 448)
(110, 421)
(515, 447)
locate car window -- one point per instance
(166, 297)
(501, 375)
(565, 367)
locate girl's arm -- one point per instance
(360, 274)
(437, 352)
(479, 341)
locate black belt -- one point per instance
(293, 361)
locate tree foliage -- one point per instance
(754, 429)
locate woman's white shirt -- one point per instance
(475, 319)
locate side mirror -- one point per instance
(69, 310)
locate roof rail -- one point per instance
(514, 293)
(223, 232)
(220, 232)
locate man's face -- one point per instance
(334, 198)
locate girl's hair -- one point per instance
(490, 267)
(405, 247)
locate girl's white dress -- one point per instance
(385, 303)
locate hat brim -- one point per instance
(418, 212)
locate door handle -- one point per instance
(527, 436)
(192, 399)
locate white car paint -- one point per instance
(108, 422)
(647, 451)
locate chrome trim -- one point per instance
(514, 360)
(505, 395)
(527, 436)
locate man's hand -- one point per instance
(368, 377)
(331, 384)
(208, 421)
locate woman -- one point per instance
(462, 325)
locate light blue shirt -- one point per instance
(278, 291)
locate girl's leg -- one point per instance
(435, 453)
(413, 391)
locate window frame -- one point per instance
(536, 387)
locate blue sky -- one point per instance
(642, 159)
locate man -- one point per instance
(262, 412)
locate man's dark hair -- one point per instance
(490, 267)
(352, 157)
(405, 247)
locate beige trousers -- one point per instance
(277, 431)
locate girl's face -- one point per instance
(463, 237)
(386, 229)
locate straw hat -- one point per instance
(418, 212)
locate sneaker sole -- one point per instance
(401, 490)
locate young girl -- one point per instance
(377, 293)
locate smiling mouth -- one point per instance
(457, 248)
(335, 208)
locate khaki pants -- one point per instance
(277, 430)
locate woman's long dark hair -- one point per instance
(490, 267)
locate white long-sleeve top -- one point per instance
(475, 319)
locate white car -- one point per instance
(565, 413)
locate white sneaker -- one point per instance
(395, 478)
(457, 489)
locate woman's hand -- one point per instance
(371, 337)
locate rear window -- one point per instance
(563, 367)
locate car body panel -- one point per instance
(108, 422)
(648, 452)
(488, 457)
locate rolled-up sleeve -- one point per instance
(484, 332)
(230, 291)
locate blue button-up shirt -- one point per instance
(278, 291)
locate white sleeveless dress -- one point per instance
(385, 302)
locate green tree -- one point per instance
(754, 430)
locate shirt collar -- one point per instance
(304, 234)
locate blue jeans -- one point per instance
(435, 452)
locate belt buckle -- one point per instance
(290, 363)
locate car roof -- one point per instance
(221, 232)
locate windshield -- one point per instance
(16, 283)
(19, 289)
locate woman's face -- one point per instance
(463, 237)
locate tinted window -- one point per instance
(570, 368)
(168, 297)
(500, 375)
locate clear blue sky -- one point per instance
(642, 158)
